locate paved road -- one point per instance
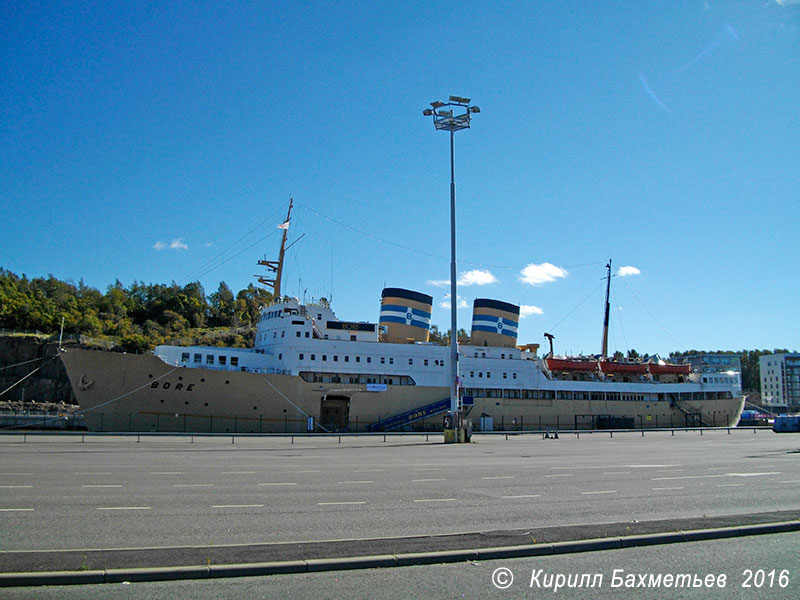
(474, 580)
(117, 493)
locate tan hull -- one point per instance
(127, 392)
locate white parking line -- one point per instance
(436, 500)
(335, 503)
(523, 496)
(8, 487)
(237, 473)
(123, 508)
(15, 509)
(419, 480)
(353, 482)
(280, 483)
(166, 473)
(101, 486)
(616, 473)
(92, 473)
(192, 485)
(309, 471)
(237, 506)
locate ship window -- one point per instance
(472, 373)
(301, 356)
(185, 357)
(358, 359)
(480, 373)
(425, 362)
(283, 334)
(488, 375)
(411, 361)
(514, 375)
(505, 375)
(324, 357)
(280, 356)
(198, 358)
(306, 334)
(502, 356)
(297, 333)
(223, 360)
(369, 359)
(346, 359)
(234, 361)
(391, 361)
(209, 359)
(313, 357)
(335, 358)
(383, 360)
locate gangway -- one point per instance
(423, 412)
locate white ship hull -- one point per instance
(128, 392)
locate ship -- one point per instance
(309, 371)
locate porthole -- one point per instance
(180, 378)
(150, 375)
(255, 408)
(206, 404)
(227, 381)
(162, 402)
(203, 379)
(187, 402)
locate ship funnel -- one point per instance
(405, 316)
(494, 323)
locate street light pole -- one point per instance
(445, 119)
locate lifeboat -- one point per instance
(657, 369)
(611, 367)
(571, 364)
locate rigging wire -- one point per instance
(210, 266)
(652, 317)
(22, 363)
(619, 318)
(417, 250)
(564, 318)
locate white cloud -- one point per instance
(159, 245)
(445, 303)
(439, 282)
(544, 273)
(476, 277)
(628, 271)
(527, 310)
(178, 244)
(787, 2)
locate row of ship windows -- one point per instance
(210, 359)
(718, 380)
(383, 359)
(604, 396)
(356, 379)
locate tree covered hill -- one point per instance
(137, 317)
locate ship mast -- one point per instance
(276, 266)
(605, 319)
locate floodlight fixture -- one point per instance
(459, 99)
(437, 104)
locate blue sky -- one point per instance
(161, 142)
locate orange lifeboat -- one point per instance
(566, 364)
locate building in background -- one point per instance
(780, 382)
(716, 368)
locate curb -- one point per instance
(384, 561)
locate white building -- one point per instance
(780, 382)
